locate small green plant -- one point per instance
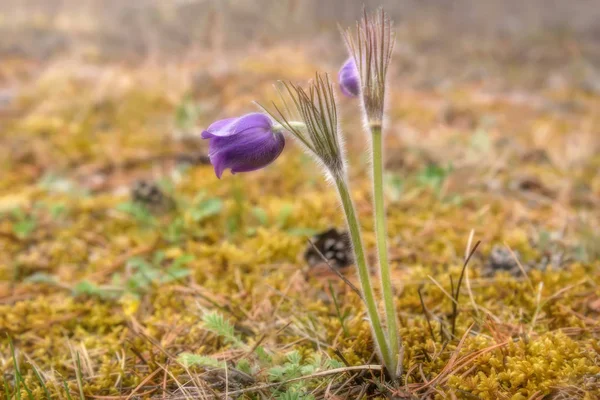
(141, 275)
(292, 367)
(434, 176)
(175, 231)
(217, 324)
(24, 223)
(394, 186)
(261, 215)
(139, 212)
(281, 221)
(295, 367)
(187, 114)
(204, 208)
(87, 288)
(295, 394)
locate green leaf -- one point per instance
(57, 210)
(137, 211)
(284, 215)
(174, 231)
(261, 215)
(174, 273)
(206, 209)
(91, 289)
(262, 355)
(24, 224)
(295, 394)
(42, 277)
(138, 263)
(294, 357)
(244, 366)
(434, 176)
(183, 260)
(177, 269)
(333, 364)
(187, 114)
(394, 186)
(157, 259)
(215, 323)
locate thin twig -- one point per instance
(338, 273)
(460, 279)
(426, 312)
(514, 256)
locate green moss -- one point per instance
(62, 290)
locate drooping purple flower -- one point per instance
(349, 78)
(243, 144)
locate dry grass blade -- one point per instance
(426, 312)
(516, 259)
(460, 279)
(321, 374)
(143, 382)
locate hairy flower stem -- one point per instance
(381, 234)
(363, 273)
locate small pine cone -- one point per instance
(334, 245)
(501, 259)
(150, 195)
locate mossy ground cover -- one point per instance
(202, 291)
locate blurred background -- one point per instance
(103, 93)
(118, 81)
(434, 39)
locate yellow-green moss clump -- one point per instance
(102, 296)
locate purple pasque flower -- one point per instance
(243, 144)
(349, 78)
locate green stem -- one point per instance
(363, 273)
(381, 234)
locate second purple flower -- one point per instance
(349, 78)
(243, 144)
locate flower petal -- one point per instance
(266, 157)
(234, 126)
(222, 127)
(349, 79)
(251, 121)
(247, 152)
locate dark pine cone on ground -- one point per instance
(151, 196)
(334, 245)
